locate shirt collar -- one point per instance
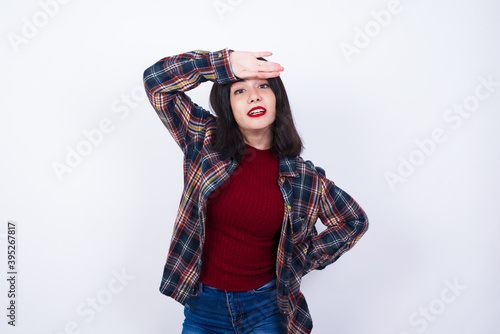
(288, 167)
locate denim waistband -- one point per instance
(200, 287)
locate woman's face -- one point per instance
(254, 106)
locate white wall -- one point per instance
(360, 115)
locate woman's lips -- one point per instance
(257, 112)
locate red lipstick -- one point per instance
(257, 111)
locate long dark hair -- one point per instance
(228, 139)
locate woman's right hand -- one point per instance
(245, 65)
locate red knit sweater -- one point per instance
(243, 225)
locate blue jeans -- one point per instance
(213, 311)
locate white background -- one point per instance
(359, 117)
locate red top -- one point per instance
(243, 225)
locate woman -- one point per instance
(245, 231)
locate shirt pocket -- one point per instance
(299, 229)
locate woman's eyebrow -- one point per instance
(237, 85)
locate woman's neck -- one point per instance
(259, 141)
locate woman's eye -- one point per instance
(264, 86)
(238, 91)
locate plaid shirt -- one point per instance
(307, 193)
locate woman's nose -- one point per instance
(254, 96)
